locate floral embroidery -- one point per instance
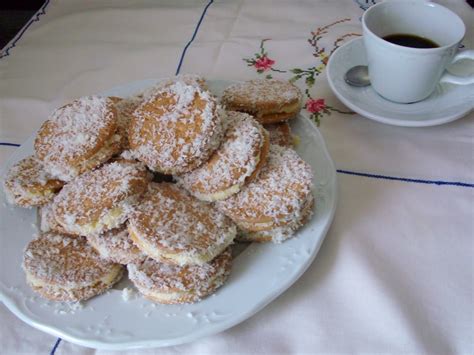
(316, 107)
(262, 62)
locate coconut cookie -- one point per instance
(278, 196)
(125, 108)
(78, 137)
(280, 234)
(238, 159)
(116, 245)
(27, 184)
(65, 268)
(268, 100)
(171, 226)
(100, 200)
(280, 134)
(47, 221)
(171, 284)
(177, 128)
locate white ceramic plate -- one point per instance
(448, 102)
(260, 273)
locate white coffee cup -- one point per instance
(406, 74)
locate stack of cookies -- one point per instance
(161, 183)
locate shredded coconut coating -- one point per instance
(116, 245)
(277, 197)
(188, 79)
(261, 96)
(196, 281)
(280, 134)
(47, 222)
(177, 129)
(92, 195)
(174, 222)
(75, 133)
(27, 184)
(233, 162)
(280, 234)
(66, 261)
(125, 108)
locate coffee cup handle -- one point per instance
(460, 80)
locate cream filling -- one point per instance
(285, 109)
(282, 233)
(67, 172)
(106, 280)
(104, 153)
(255, 226)
(181, 258)
(111, 220)
(220, 195)
(28, 195)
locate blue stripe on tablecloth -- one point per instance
(193, 37)
(53, 350)
(373, 176)
(396, 178)
(6, 51)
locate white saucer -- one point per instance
(446, 104)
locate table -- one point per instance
(395, 273)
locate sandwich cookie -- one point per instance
(171, 284)
(278, 196)
(280, 134)
(65, 268)
(100, 200)
(268, 100)
(78, 137)
(279, 234)
(116, 245)
(177, 128)
(238, 160)
(171, 226)
(27, 184)
(47, 222)
(125, 108)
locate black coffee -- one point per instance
(407, 40)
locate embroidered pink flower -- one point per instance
(264, 63)
(315, 106)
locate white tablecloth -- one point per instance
(395, 273)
